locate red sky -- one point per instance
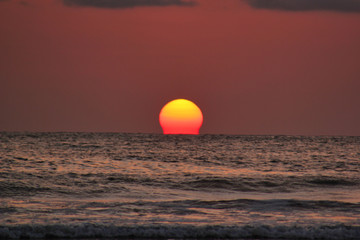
(251, 68)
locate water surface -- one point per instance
(109, 185)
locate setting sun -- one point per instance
(181, 116)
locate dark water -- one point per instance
(110, 185)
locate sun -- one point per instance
(181, 116)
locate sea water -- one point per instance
(113, 185)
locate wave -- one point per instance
(29, 184)
(283, 205)
(331, 181)
(14, 188)
(268, 183)
(334, 232)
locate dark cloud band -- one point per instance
(307, 5)
(126, 3)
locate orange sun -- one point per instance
(181, 116)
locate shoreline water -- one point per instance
(89, 231)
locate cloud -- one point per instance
(307, 5)
(25, 3)
(126, 3)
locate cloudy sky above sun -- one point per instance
(252, 66)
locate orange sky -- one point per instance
(250, 70)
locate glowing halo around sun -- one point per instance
(180, 116)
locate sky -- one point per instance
(252, 66)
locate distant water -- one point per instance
(110, 185)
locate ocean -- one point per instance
(154, 186)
